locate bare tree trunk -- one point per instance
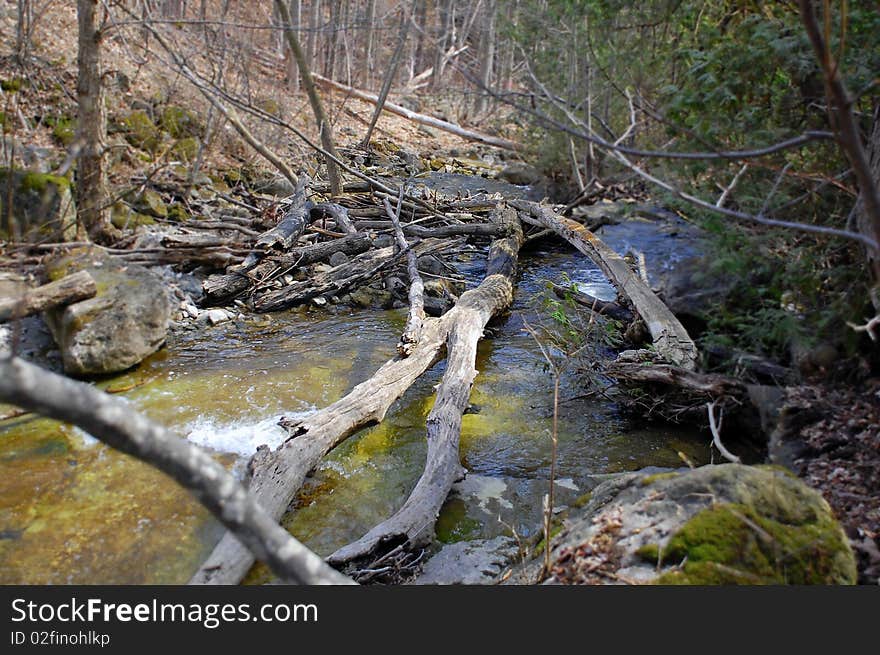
(389, 77)
(311, 46)
(367, 61)
(443, 38)
(23, 30)
(93, 208)
(487, 57)
(292, 68)
(111, 420)
(324, 127)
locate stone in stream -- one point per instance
(469, 562)
(722, 524)
(123, 324)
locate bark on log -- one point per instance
(422, 119)
(338, 213)
(72, 288)
(111, 420)
(416, 315)
(290, 227)
(413, 524)
(671, 340)
(712, 385)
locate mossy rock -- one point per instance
(180, 123)
(152, 204)
(42, 206)
(186, 149)
(177, 212)
(124, 217)
(141, 132)
(733, 543)
(725, 524)
(13, 85)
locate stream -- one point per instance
(75, 511)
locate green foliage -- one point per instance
(63, 129)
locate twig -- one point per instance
(715, 428)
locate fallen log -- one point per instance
(671, 340)
(72, 288)
(422, 119)
(338, 213)
(276, 476)
(416, 315)
(413, 524)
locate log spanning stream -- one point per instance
(74, 511)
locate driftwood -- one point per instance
(338, 213)
(671, 340)
(113, 421)
(72, 288)
(416, 315)
(277, 476)
(413, 524)
(422, 119)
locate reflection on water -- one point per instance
(72, 511)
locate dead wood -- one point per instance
(69, 289)
(422, 119)
(222, 287)
(340, 279)
(440, 232)
(413, 523)
(416, 315)
(671, 340)
(338, 213)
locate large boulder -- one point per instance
(42, 206)
(723, 524)
(123, 324)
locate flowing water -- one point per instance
(74, 511)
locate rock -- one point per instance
(723, 524)
(469, 562)
(42, 206)
(215, 316)
(370, 297)
(276, 185)
(124, 323)
(520, 174)
(430, 264)
(396, 286)
(383, 241)
(151, 203)
(338, 259)
(443, 288)
(126, 218)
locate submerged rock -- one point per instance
(124, 323)
(724, 524)
(469, 562)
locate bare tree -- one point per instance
(324, 127)
(93, 208)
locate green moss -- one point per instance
(657, 477)
(152, 204)
(63, 129)
(735, 544)
(186, 148)
(454, 524)
(141, 132)
(180, 123)
(649, 553)
(40, 182)
(582, 501)
(13, 85)
(177, 212)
